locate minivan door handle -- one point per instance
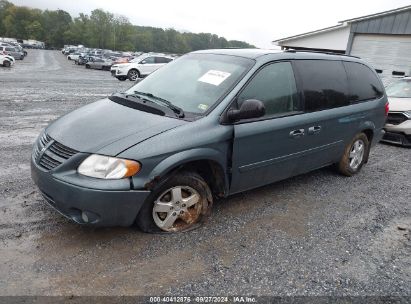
(314, 130)
(297, 133)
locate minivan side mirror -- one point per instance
(251, 108)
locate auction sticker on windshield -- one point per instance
(214, 77)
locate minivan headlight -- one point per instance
(106, 167)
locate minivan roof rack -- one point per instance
(319, 52)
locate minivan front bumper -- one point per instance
(98, 207)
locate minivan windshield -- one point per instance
(400, 89)
(194, 82)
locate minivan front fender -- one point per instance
(179, 160)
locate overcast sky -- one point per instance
(257, 22)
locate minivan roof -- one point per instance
(255, 53)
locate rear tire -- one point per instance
(6, 63)
(355, 155)
(177, 204)
(87, 66)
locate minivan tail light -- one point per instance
(387, 108)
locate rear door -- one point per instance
(160, 61)
(328, 118)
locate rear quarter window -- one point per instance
(324, 84)
(363, 83)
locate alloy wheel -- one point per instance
(356, 154)
(177, 208)
(133, 75)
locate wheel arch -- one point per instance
(369, 133)
(135, 69)
(368, 129)
(207, 162)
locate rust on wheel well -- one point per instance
(211, 172)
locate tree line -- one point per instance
(101, 29)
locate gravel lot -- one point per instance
(316, 234)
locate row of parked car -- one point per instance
(122, 65)
(10, 52)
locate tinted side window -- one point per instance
(161, 60)
(148, 60)
(363, 83)
(275, 86)
(324, 83)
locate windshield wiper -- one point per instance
(144, 104)
(179, 111)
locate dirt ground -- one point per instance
(316, 234)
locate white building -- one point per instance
(382, 39)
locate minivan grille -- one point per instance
(49, 153)
(396, 118)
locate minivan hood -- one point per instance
(399, 104)
(108, 128)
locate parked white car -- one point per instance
(140, 66)
(6, 60)
(74, 56)
(398, 124)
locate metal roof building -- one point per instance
(382, 39)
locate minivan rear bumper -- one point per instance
(97, 207)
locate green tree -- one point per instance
(56, 24)
(101, 29)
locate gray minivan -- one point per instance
(209, 124)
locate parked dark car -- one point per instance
(205, 126)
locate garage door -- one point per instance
(386, 53)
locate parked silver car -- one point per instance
(12, 51)
(99, 64)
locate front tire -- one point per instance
(133, 75)
(87, 66)
(355, 155)
(180, 203)
(122, 78)
(6, 64)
